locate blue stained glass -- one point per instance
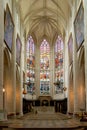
(44, 67)
(30, 49)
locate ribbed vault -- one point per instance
(45, 18)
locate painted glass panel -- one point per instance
(44, 68)
(30, 49)
(58, 65)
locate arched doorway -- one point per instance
(7, 82)
(81, 90)
(17, 91)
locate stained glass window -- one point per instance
(59, 65)
(44, 67)
(30, 49)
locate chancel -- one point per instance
(43, 64)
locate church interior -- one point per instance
(43, 71)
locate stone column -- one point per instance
(1, 51)
(13, 64)
(21, 67)
(51, 70)
(70, 66)
(75, 67)
(24, 52)
(85, 45)
(37, 69)
(25, 41)
(66, 69)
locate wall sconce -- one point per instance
(64, 88)
(24, 91)
(3, 90)
(4, 111)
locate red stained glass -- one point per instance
(30, 49)
(58, 63)
(44, 66)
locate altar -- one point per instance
(45, 100)
(44, 109)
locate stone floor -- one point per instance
(44, 121)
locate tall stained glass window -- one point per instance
(44, 67)
(30, 77)
(59, 65)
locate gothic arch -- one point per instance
(82, 96)
(81, 57)
(7, 81)
(7, 59)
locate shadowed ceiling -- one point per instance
(45, 19)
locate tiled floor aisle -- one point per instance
(56, 120)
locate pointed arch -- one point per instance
(81, 56)
(7, 59)
(81, 90)
(7, 81)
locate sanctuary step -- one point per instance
(44, 109)
(45, 121)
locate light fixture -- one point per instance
(24, 91)
(64, 88)
(3, 90)
(27, 83)
(57, 83)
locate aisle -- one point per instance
(56, 120)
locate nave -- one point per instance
(43, 63)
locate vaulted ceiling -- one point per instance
(45, 18)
